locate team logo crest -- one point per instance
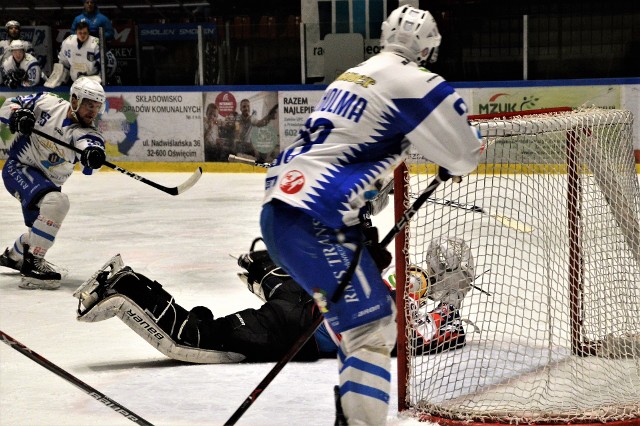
(292, 182)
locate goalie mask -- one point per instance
(451, 270)
(86, 88)
(412, 33)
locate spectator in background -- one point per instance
(20, 69)
(13, 33)
(92, 16)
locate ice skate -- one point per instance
(88, 293)
(16, 265)
(341, 420)
(8, 262)
(37, 273)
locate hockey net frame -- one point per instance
(575, 265)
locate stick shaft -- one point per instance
(169, 190)
(99, 396)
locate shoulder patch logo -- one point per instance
(292, 182)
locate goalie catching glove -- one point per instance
(263, 277)
(22, 121)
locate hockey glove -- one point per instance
(12, 83)
(380, 255)
(444, 175)
(93, 157)
(22, 121)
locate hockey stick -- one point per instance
(343, 284)
(100, 397)
(247, 160)
(176, 190)
(505, 220)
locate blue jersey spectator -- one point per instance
(95, 19)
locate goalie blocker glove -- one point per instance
(93, 157)
(22, 121)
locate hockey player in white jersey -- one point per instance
(79, 56)
(20, 69)
(13, 33)
(36, 169)
(358, 133)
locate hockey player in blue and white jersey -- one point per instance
(36, 169)
(79, 56)
(20, 69)
(358, 133)
(14, 31)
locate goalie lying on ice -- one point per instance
(267, 333)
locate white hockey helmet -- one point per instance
(449, 254)
(86, 88)
(412, 33)
(12, 23)
(18, 45)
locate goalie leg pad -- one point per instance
(150, 311)
(146, 327)
(58, 76)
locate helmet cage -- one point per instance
(412, 33)
(449, 254)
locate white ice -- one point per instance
(183, 242)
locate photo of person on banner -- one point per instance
(246, 139)
(215, 147)
(241, 123)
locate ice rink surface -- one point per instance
(183, 242)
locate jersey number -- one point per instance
(319, 129)
(43, 118)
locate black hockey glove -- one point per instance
(12, 83)
(93, 157)
(22, 121)
(380, 255)
(19, 75)
(259, 265)
(445, 175)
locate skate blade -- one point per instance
(29, 283)
(113, 265)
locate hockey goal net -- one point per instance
(552, 218)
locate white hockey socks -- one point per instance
(365, 377)
(53, 209)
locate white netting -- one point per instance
(552, 217)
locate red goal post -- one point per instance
(552, 217)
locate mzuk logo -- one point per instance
(504, 102)
(292, 182)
